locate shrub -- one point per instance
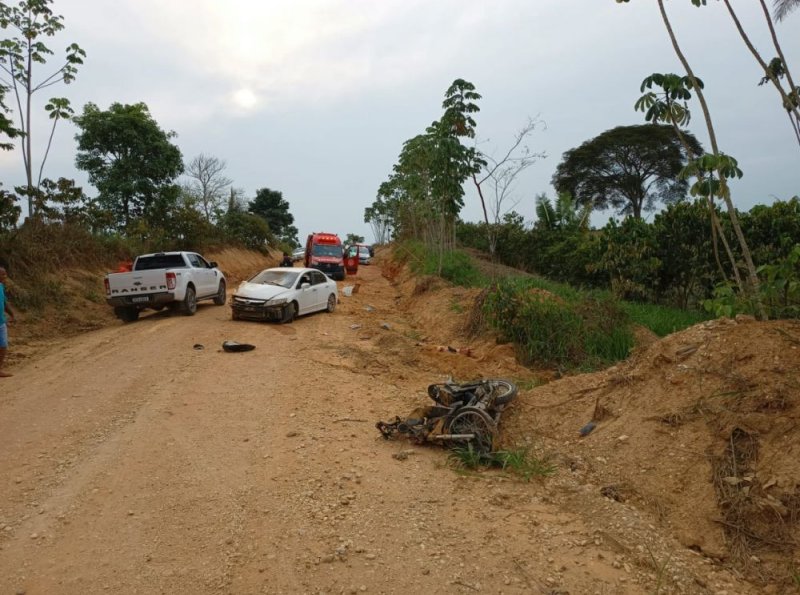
(578, 331)
(456, 266)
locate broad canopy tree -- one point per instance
(129, 159)
(628, 168)
(274, 209)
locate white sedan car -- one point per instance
(282, 294)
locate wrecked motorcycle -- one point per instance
(464, 414)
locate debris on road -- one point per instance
(234, 347)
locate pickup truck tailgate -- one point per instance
(137, 283)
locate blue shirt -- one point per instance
(2, 304)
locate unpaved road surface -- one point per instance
(133, 462)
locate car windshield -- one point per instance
(363, 251)
(283, 277)
(327, 250)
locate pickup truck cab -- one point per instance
(175, 279)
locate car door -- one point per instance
(319, 284)
(305, 295)
(204, 276)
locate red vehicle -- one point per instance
(324, 252)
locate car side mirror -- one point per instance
(213, 264)
(305, 284)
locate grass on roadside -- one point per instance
(549, 323)
(519, 461)
(453, 265)
(663, 320)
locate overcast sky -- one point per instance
(315, 98)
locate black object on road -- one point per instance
(234, 347)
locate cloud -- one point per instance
(303, 52)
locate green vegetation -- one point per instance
(552, 323)
(662, 320)
(519, 461)
(667, 262)
(455, 266)
(629, 168)
(582, 330)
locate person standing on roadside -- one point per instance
(5, 315)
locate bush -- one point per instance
(456, 266)
(580, 331)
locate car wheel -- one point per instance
(289, 313)
(220, 298)
(190, 302)
(331, 302)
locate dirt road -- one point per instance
(134, 463)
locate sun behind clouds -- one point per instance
(245, 99)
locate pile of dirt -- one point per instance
(699, 429)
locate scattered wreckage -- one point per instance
(463, 414)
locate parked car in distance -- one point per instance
(298, 254)
(364, 254)
(282, 294)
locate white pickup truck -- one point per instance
(174, 279)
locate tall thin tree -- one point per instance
(19, 57)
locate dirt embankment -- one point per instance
(134, 462)
(698, 430)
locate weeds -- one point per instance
(663, 320)
(519, 461)
(454, 265)
(574, 329)
(660, 569)
(413, 334)
(467, 457)
(93, 295)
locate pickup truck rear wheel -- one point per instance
(127, 314)
(190, 302)
(220, 298)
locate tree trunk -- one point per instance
(752, 289)
(794, 113)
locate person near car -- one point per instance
(6, 315)
(287, 260)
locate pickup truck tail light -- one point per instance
(108, 286)
(171, 281)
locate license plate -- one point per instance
(141, 299)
